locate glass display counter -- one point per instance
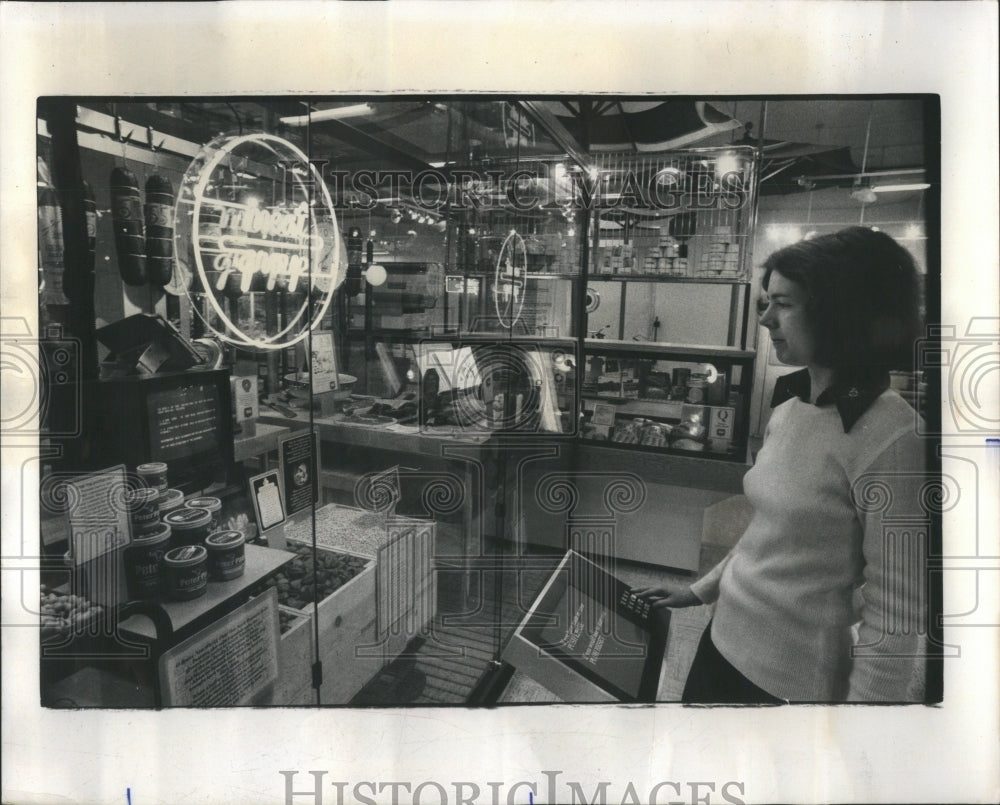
(667, 398)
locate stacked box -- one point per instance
(721, 254)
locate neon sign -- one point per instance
(254, 218)
(510, 279)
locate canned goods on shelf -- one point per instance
(212, 505)
(153, 474)
(190, 526)
(226, 555)
(144, 562)
(186, 572)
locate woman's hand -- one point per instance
(670, 594)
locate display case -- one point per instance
(667, 398)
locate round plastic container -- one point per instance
(226, 555)
(170, 499)
(697, 390)
(189, 526)
(186, 571)
(212, 505)
(144, 511)
(144, 562)
(154, 474)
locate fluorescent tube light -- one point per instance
(337, 113)
(900, 188)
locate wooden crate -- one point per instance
(369, 621)
(346, 620)
(294, 685)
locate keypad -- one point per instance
(630, 602)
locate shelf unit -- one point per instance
(642, 396)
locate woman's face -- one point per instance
(783, 313)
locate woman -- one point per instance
(840, 456)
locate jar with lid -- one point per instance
(144, 562)
(170, 499)
(154, 475)
(212, 505)
(186, 571)
(696, 389)
(190, 526)
(144, 510)
(226, 555)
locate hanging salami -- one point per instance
(90, 212)
(50, 239)
(126, 214)
(159, 211)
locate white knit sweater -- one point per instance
(784, 594)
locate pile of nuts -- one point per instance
(62, 615)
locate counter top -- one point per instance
(263, 439)
(427, 440)
(690, 352)
(260, 562)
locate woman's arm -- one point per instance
(707, 587)
(889, 659)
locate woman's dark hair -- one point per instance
(863, 293)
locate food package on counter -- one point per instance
(691, 432)
(626, 433)
(655, 435)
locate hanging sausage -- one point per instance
(159, 211)
(126, 214)
(50, 239)
(90, 212)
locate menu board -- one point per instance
(300, 471)
(233, 662)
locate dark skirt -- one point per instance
(713, 680)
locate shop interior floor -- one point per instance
(444, 666)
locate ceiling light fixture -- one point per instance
(900, 188)
(337, 113)
(864, 194)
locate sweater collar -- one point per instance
(853, 394)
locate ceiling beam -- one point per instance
(373, 145)
(557, 131)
